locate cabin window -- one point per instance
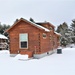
(24, 40)
(44, 35)
(50, 28)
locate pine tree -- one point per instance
(62, 29)
(73, 26)
(73, 30)
(3, 28)
(32, 20)
(65, 32)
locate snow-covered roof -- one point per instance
(34, 24)
(46, 23)
(3, 37)
(40, 26)
(57, 33)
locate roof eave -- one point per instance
(45, 29)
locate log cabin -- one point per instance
(34, 39)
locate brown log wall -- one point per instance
(36, 42)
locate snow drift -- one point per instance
(21, 57)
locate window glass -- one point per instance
(44, 35)
(50, 28)
(23, 37)
(23, 44)
(23, 40)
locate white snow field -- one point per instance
(55, 64)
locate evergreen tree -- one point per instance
(16, 20)
(73, 38)
(3, 28)
(64, 41)
(65, 32)
(32, 20)
(73, 26)
(73, 30)
(62, 29)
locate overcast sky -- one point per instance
(54, 11)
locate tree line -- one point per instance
(3, 28)
(67, 33)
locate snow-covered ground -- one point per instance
(55, 64)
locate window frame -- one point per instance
(51, 28)
(45, 35)
(21, 41)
